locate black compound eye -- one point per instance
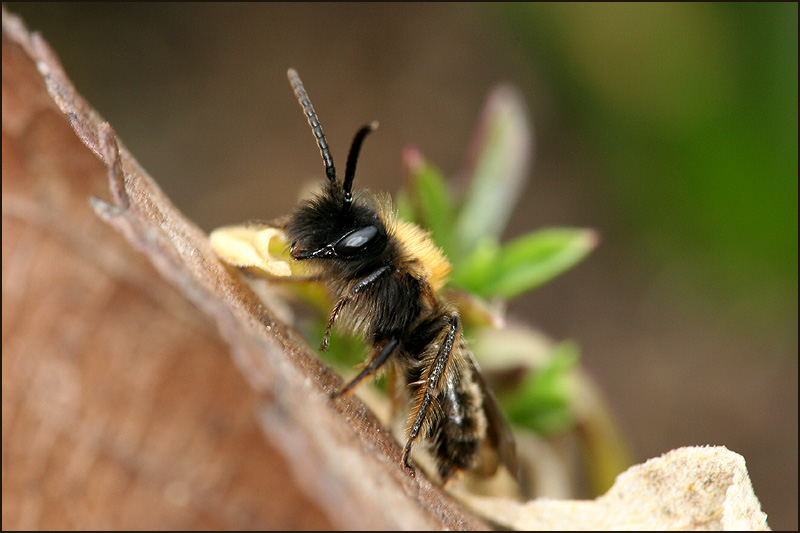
(356, 241)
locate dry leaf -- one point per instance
(118, 412)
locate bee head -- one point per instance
(332, 225)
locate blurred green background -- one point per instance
(669, 128)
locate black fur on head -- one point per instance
(325, 227)
(332, 225)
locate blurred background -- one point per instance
(669, 128)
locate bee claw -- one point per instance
(339, 393)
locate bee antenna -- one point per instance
(313, 121)
(352, 158)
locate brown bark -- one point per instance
(119, 408)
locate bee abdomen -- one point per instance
(456, 439)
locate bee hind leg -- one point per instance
(431, 386)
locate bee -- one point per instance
(385, 276)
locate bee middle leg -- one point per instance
(431, 386)
(378, 359)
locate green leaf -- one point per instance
(499, 158)
(404, 207)
(477, 270)
(542, 402)
(436, 205)
(537, 258)
(344, 350)
(430, 197)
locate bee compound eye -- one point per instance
(356, 241)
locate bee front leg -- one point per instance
(331, 319)
(359, 286)
(277, 223)
(431, 386)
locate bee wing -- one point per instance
(497, 431)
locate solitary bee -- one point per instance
(385, 275)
